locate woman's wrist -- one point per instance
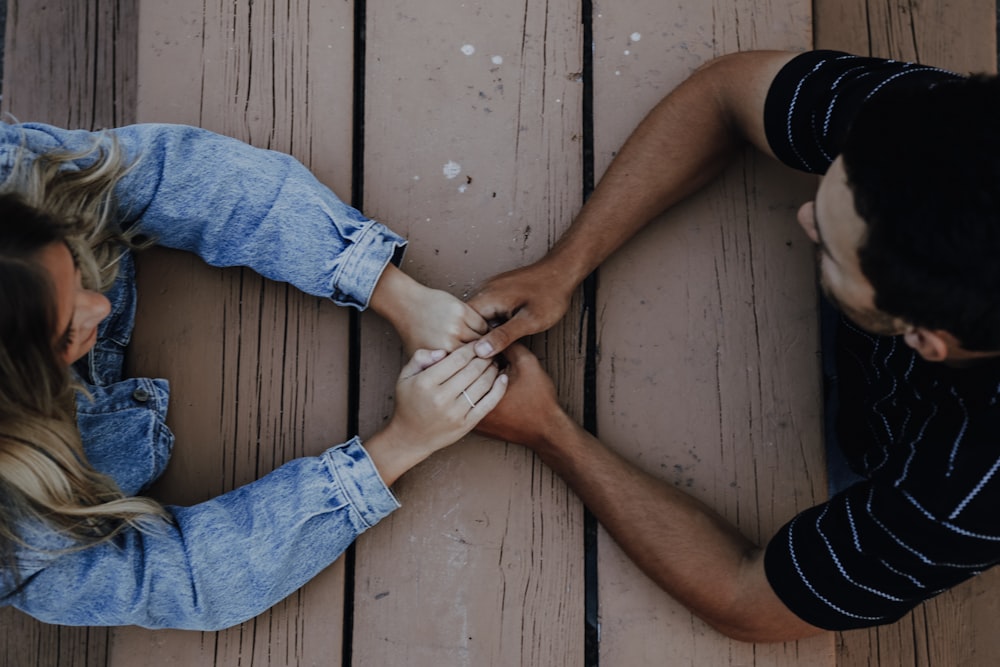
(392, 294)
(391, 455)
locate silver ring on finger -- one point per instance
(471, 402)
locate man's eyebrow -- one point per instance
(819, 238)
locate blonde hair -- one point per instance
(44, 474)
(82, 198)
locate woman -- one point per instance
(78, 441)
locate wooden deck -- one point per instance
(701, 334)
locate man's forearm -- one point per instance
(684, 143)
(685, 547)
(681, 145)
(678, 542)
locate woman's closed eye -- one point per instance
(66, 339)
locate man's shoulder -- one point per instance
(815, 97)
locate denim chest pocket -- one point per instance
(124, 431)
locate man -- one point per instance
(907, 226)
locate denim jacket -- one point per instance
(223, 561)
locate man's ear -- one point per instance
(931, 345)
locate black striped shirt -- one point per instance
(924, 435)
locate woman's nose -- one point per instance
(92, 308)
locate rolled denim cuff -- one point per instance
(363, 262)
(354, 470)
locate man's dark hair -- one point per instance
(924, 167)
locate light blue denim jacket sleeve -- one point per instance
(222, 561)
(235, 205)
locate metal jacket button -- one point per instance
(141, 395)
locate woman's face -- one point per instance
(79, 310)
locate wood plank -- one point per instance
(956, 34)
(483, 564)
(954, 628)
(89, 82)
(708, 374)
(270, 361)
(28, 643)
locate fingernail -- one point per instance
(503, 379)
(438, 355)
(483, 348)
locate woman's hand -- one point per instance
(440, 397)
(438, 320)
(425, 318)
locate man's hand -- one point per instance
(529, 408)
(425, 318)
(525, 301)
(688, 139)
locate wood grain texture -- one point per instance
(483, 564)
(28, 643)
(708, 372)
(259, 371)
(89, 81)
(955, 628)
(956, 34)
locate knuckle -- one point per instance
(501, 336)
(465, 354)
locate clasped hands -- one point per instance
(453, 383)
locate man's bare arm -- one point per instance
(684, 142)
(681, 544)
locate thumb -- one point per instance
(421, 360)
(500, 338)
